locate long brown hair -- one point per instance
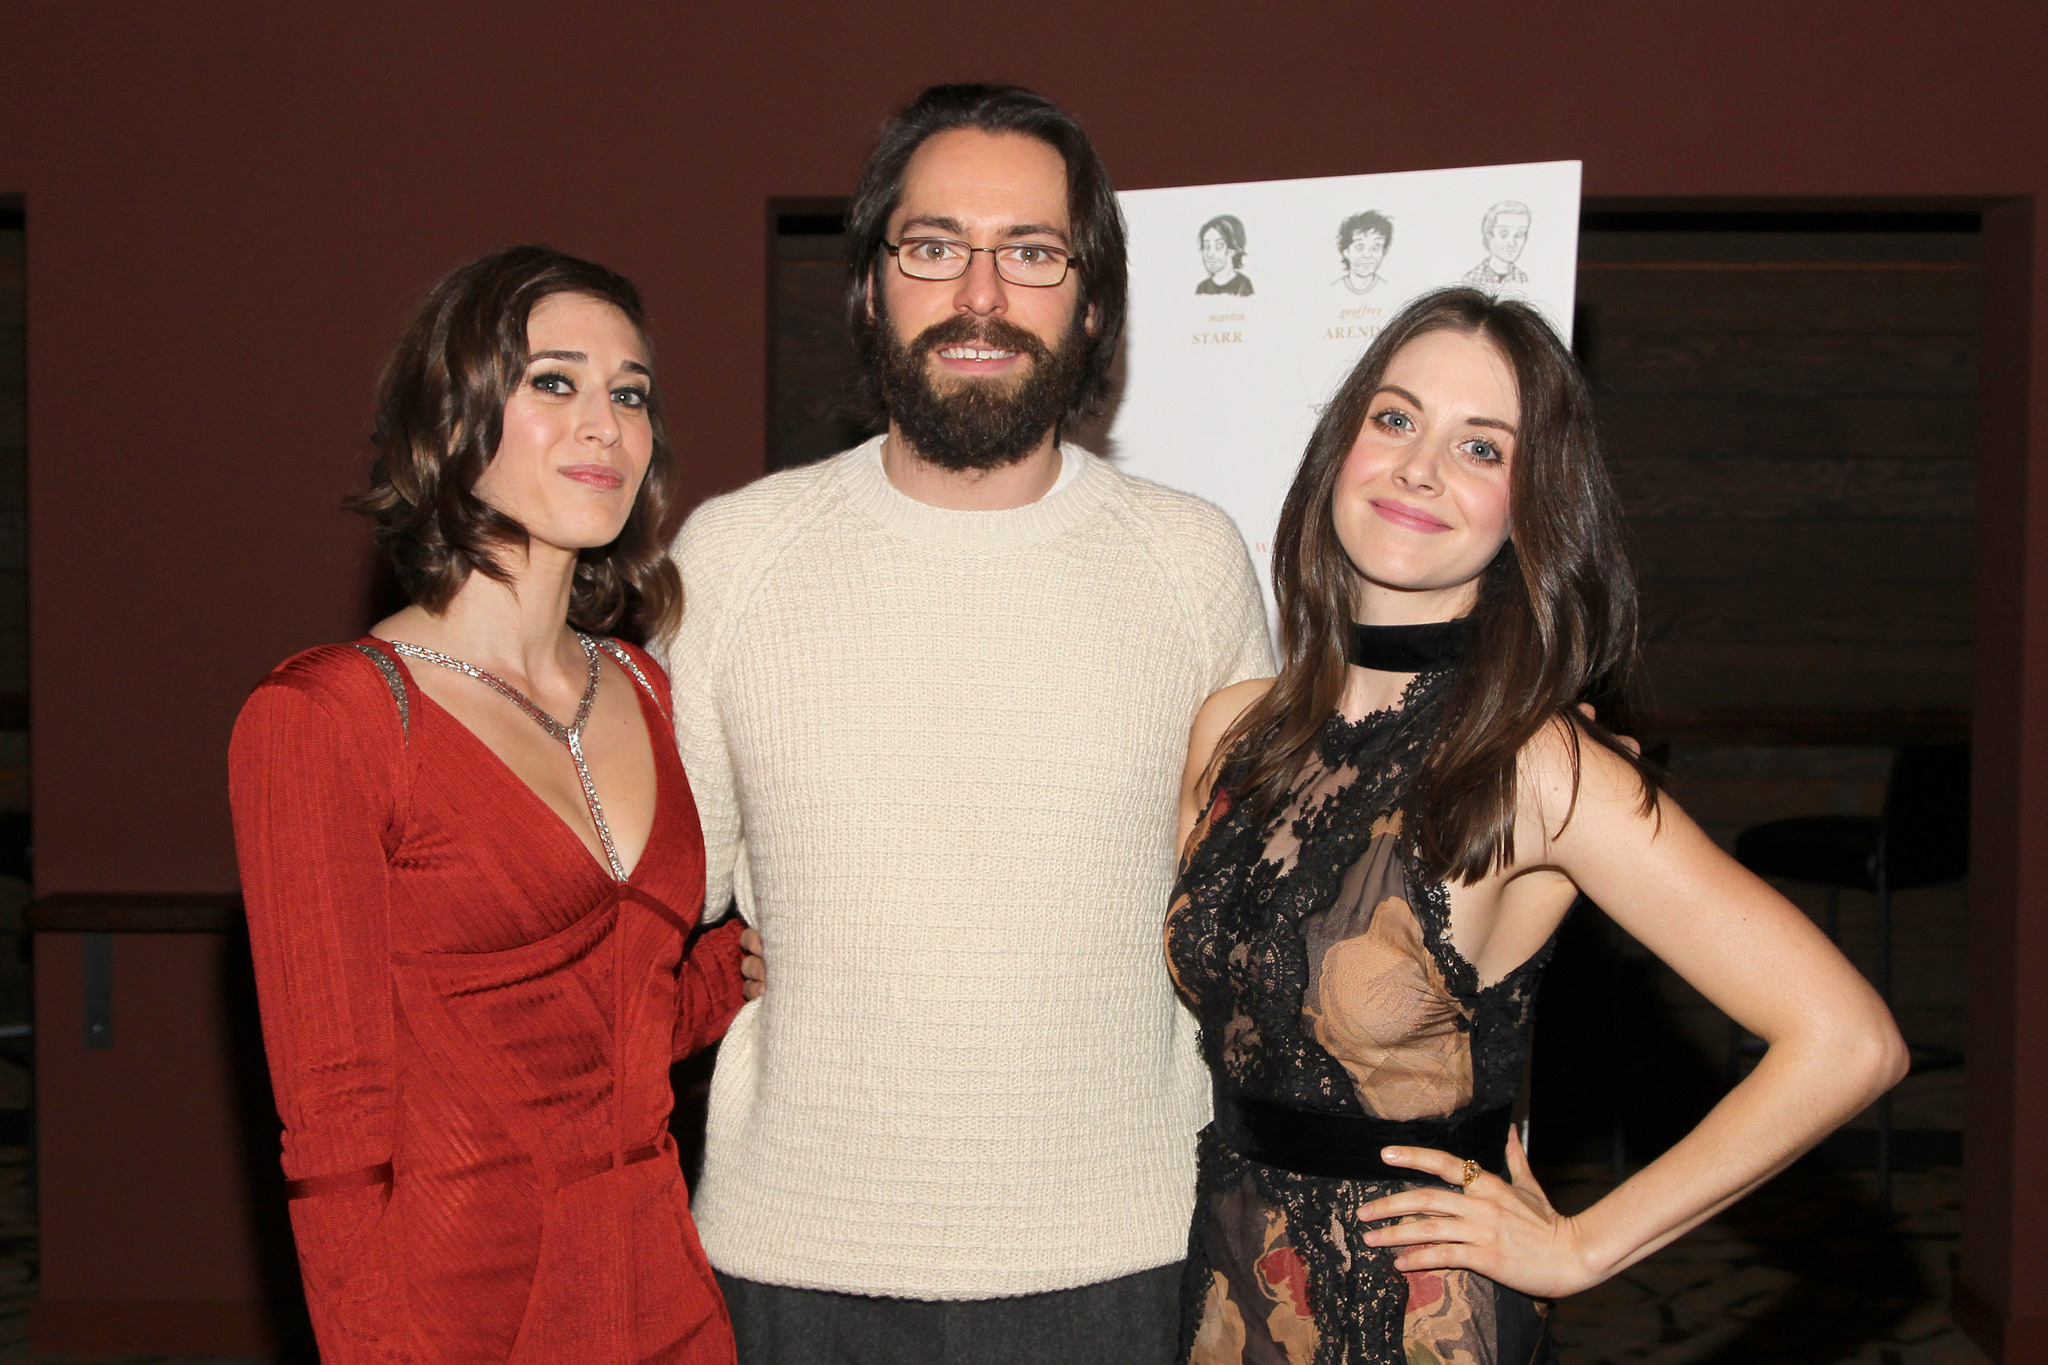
(440, 414)
(1554, 625)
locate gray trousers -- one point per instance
(1133, 1320)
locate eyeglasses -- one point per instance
(1032, 264)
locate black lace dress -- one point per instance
(1320, 965)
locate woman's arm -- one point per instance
(1832, 1045)
(310, 808)
(711, 988)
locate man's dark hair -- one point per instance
(1358, 224)
(1096, 221)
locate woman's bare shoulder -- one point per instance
(1212, 722)
(1223, 708)
(1567, 772)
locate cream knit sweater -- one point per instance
(937, 757)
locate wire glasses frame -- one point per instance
(1032, 264)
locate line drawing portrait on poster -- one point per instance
(1222, 243)
(1505, 230)
(1363, 240)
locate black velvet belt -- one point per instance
(1347, 1146)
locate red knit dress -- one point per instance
(469, 1025)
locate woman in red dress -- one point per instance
(473, 867)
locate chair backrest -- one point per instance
(1927, 815)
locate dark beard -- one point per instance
(981, 424)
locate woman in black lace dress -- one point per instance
(1381, 843)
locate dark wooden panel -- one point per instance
(1780, 246)
(1686, 675)
(93, 912)
(1668, 296)
(1743, 802)
(13, 613)
(1797, 611)
(201, 1327)
(1711, 549)
(1886, 363)
(1936, 425)
(815, 413)
(13, 540)
(1830, 726)
(1814, 487)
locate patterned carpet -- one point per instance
(1796, 1273)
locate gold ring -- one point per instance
(1471, 1174)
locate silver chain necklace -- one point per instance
(570, 735)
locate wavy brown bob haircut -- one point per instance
(440, 415)
(1092, 212)
(1554, 626)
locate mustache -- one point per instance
(962, 424)
(962, 330)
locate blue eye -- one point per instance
(1394, 418)
(1486, 452)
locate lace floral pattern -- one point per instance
(1319, 962)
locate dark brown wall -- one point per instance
(230, 206)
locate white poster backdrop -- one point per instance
(1221, 387)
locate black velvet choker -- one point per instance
(1409, 649)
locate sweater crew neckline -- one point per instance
(1071, 503)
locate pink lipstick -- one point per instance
(599, 476)
(1408, 518)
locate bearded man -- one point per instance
(934, 696)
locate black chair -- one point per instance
(1922, 839)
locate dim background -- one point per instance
(1808, 304)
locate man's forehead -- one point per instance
(985, 180)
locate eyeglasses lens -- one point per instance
(1022, 263)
